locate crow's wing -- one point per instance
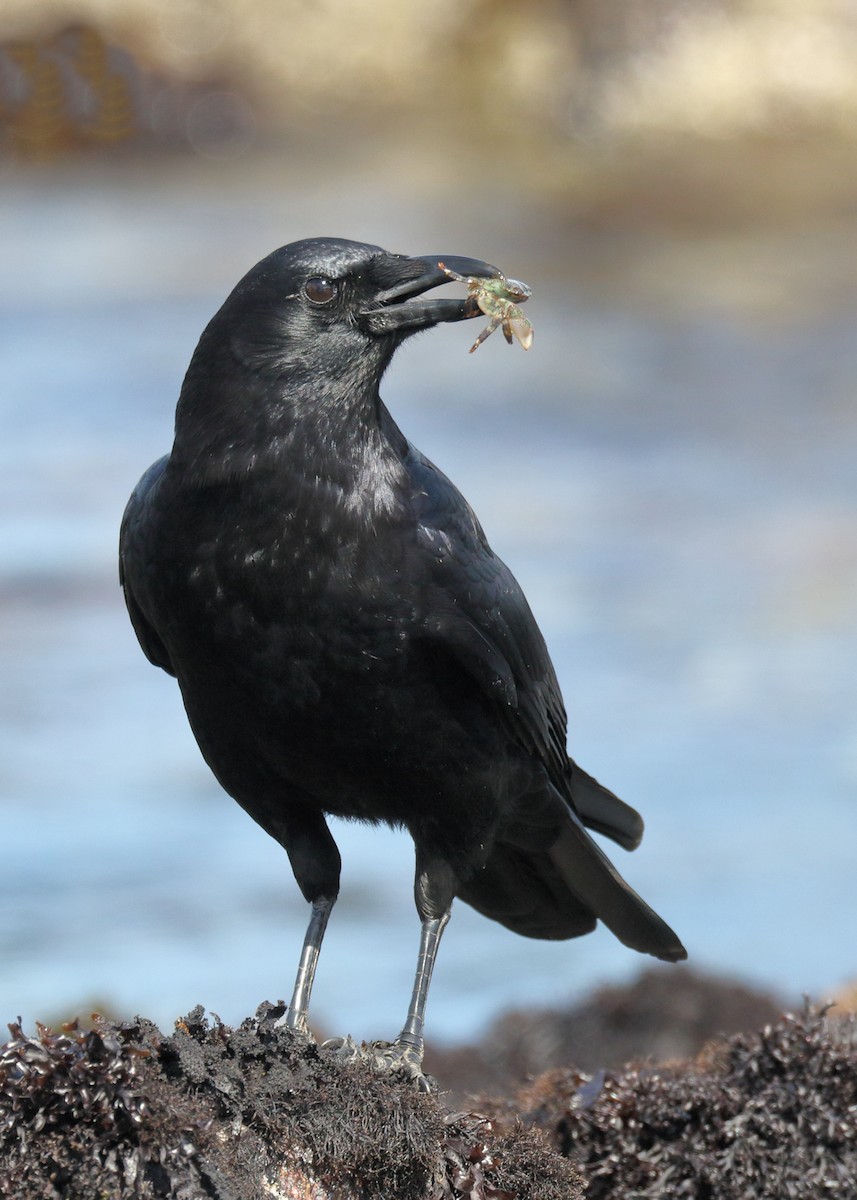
(134, 565)
(476, 607)
(479, 612)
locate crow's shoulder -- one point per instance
(136, 564)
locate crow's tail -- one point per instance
(600, 810)
(557, 883)
(596, 884)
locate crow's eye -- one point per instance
(319, 290)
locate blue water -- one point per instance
(671, 474)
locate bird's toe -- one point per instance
(396, 1058)
(296, 1023)
(344, 1048)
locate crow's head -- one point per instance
(297, 351)
(331, 307)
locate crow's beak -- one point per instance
(394, 308)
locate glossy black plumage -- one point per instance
(345, 640)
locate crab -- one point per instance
(500, 299)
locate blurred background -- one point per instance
(670, 471)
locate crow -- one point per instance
(345, 640)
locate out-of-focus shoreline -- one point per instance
(706, 116)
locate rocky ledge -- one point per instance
(122, 1111)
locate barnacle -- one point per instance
(53, 1077)
(72, 1106)
(468, 1157)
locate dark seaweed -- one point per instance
(123, 1112)
(772, 1116)
(79, 1118)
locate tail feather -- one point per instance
(600, 810)
(545, 876)
(594, 881)
(524, 891)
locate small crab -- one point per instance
(499, 299)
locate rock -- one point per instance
(122, 1111)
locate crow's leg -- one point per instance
(434, 889)
(296, 1014)
(316, 863)
(409, 1043)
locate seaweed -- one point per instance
(767, 1116)
(123, 1112)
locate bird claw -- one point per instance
(297, 1025)
(396, 1058)
(345, 1048)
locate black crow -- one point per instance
(345, 640)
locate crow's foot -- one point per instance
(296, 1023)
(399, 1058)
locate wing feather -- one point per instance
(476, 607)
(133, 568)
